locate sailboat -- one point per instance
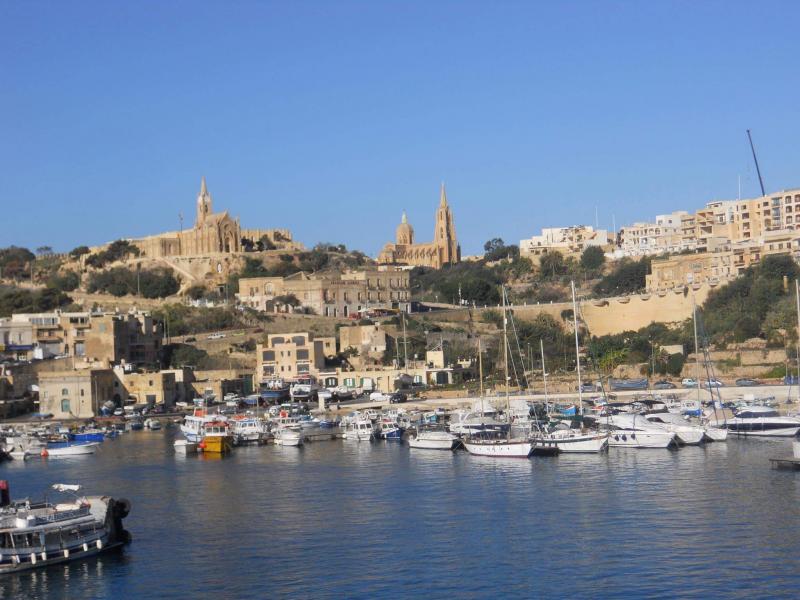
(565, 439)
(716, 431)
(500, 444)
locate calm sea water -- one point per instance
(370, 520)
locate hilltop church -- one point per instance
(443, 250)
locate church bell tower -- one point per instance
(203, 204)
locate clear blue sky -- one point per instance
(330, 118)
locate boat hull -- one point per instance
(499, 448)
(641, 439)
(716, 434)
(439, 442)
(78, 449)
(217, 444)
(572, 444)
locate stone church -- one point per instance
(213, 233)
(443, 250)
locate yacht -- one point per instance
(38, 534)
(434, 440)
(467, 423)
(762, 421)
(685, 432)
(635, 431)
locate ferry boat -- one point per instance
(217, 438)
(38, 534)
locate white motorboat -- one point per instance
(762, 421)
(185, 447)
(152, 424)
(289, 437)
(60, 449)
(634, 431)
(716, 434)
(359, 429)
(685, 432)
(434, 440)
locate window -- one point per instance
(82, 391)
(64, 392)
(268, 355)
(65, 405)
(302, 355)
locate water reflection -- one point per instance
(359, 519)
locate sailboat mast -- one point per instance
(480, 372)
(405, 343)
(544, 377)
(505, 346)
(696, 349)
(797, 299)
(577, 354)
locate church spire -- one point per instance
(203, 190)
(405, 218)
(443, 198)
(203, 203)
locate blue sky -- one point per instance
(330, 118)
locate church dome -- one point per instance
(405, 232)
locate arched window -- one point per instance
(64, 392)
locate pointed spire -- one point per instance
(443, 197)
(405, 218)
(203, 190)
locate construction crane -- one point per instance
(753, 150)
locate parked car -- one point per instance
(664, 385)
(378, 397)
(746, 382)
(688, 382)
(589, 387)
(216, 336)
(397, 398)
(709, 383)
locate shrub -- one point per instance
(65, 282)
(592, 258)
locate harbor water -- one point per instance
(347, 519)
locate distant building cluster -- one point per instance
(711, 246)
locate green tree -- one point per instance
(592, 258)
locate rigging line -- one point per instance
(519, 350)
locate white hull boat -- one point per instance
(499, 448)
(70, 450)
(567, 441)
(360, 430)
(716, 434)
(762, 421)
(185, 447)
(635, 431)
(434, 440)
(152, 424)
(289, 437)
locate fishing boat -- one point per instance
(387, 429)
(216, 438)
(360, 429)
(59, 449)
(184, 447)
(87, 435)
(193, 425)
(39, 534)
(434, 440)
(247, 429)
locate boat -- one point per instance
(184, 447)
(359, 429)
(685, 432)
(87, 435)
(136, 425)
(192, 426)
(570, 441)
(289, 437)
(498, 444)
(618, 385)
(762, 421)
(434, 440)
(388, 429)
(152, 424)
(470, 422)
(247, 430)
(216, 438)
(39, 534)
(716, 434)
(634, 431)
(59, 449)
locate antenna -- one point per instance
(755, 160)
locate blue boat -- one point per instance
(389, 430)
(87, 436)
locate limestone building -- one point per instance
(569, 241)
(443, 250)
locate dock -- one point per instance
(785, 463)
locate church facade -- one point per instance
(443, 250)
(213, 233)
